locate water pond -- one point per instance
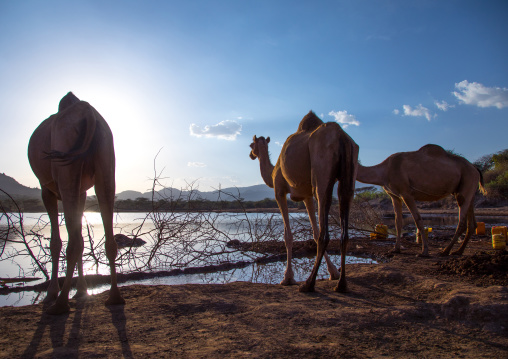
(245, 228)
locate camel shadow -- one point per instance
(56, 324)
(119, 320)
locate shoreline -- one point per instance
(487, 211)
(407, 306)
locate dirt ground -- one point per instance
(403, 307)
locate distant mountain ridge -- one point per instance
(16, 189)
(251, 193)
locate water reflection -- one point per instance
(269, 273)
(253, 227)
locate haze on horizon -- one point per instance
(185, 85)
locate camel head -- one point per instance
(256, 144)
(67, 101)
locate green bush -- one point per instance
(496, 176)
(369, 193)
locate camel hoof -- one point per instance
(341, 288)
(456, 253)
(334, 276)
(423, 255)
(395, 251)
(306, 288)
(115, 299)
(50, 298)
(443, 254)
(289, 281)
(80, 295)
(57, 309)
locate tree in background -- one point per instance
(495, 173)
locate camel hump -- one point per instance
(77, 128)
(433, 150)
(310, 122)
(67, 101)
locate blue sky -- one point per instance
(195, 80)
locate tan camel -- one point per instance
(70, 152)
(428, 174)
(311, 161)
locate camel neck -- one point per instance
(266, 167)
(372, 174)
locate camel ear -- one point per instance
(254, 138)
(268, 140)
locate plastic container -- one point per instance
(480, 228)
(381, 231)
(499, 230)
(498, 241)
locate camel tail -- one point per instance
(481, 184)
(83, 145)
(346, 175)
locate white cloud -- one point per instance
(474, 93)
(226, 130)
(196, 164)
(344, 118)
(418, 111)
(443, 105)
(396, 111)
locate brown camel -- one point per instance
(70, 152)
(428, 174)
(311, 161)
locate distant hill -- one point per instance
(15, 189)
(131, 195)
(250, 193)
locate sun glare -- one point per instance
(93, 218)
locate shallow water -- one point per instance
(269, 273)
(225, 227)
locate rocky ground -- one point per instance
(402, 307)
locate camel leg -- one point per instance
(397, 209)
(51, 203)
(73, 212)
(288, 239)
(324, 197)
(411, 205)
(345, 194)
(309, 204)
(81, 286)
(471, 226)
(105, 191)
(464, 208)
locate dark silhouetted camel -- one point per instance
(70, 152)
(311, 161)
